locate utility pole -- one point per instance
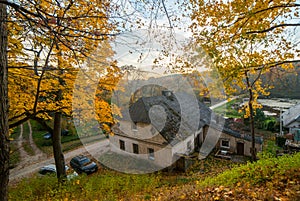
(280, 120)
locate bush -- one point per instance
(258, 172)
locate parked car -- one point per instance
(49, 135)
(48, 169)
(82, 164)
(51, 169)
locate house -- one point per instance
(291, 117)
(171, 126)
(291, 120)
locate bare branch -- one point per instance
(167, 14)
(273, 27)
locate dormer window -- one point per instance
(133, 126)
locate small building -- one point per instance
(165, 128)
(237, 143)
(291, 120)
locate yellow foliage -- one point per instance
(244, 40)
(45, 54)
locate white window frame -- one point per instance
(225, 140)
(133, 126)
(151, 154)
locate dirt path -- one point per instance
(23, 153)
(25, 158)
(36, 150)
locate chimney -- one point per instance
(167, 93)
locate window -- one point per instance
(84, 161)
(151, 153)
(133, 126)
(135, 148)
(225, 143)
(122, 145)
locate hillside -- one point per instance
(286, 83)
(211, 179)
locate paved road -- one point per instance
(92, 149)
(222, 103)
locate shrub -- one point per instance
(261, 171)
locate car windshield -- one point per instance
(85, 161)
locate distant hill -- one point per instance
(286, 83)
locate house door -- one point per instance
(240, 148)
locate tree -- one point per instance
(4, 142)
(44, 32)
(245, 39)
(39, 30)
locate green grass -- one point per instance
(28, 148)
(16, 133)
(25, 143)
(212, 173)
(14, 157)
(102, 186)
(69, 142)
(14, 152)
(261, 171)
(26, 131)
(228, 111)
(271, 148)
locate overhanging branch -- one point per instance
(273, 27)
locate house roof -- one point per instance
(240, 131)
(178, 116)
(258, 139)
(291, 115)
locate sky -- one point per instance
(142, 45)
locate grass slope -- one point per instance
(267, 179)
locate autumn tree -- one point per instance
(93, 88)
(245, 39)
(4, 146)
(47, 40)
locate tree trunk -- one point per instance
(56, 137)
(253, 149)
(57, 150)
(4, 142)
(251, 118)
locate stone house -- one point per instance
(165, 128)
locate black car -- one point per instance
(82, 164)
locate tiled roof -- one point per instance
(178, 116)
(291, 115)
